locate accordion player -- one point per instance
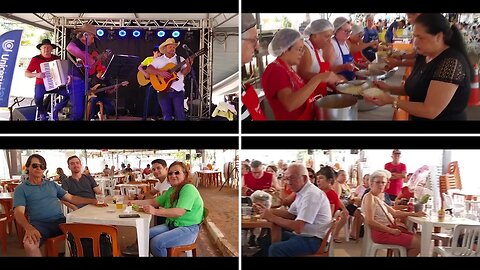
(56, 74)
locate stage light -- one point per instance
(161, 33)
(136, 33)
(122, 33)
(148, 35)
(175, 34)
(100, 33)
(111, 34)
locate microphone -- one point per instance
(187, 48)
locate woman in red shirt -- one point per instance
(325, 179)
(287, 93)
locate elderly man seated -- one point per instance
(305, 222)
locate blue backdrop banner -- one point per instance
(8, 57)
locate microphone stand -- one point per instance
(87, 71)
(193, 84)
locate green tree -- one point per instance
(286, 23)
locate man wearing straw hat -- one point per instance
(77, 47)
(171, 99)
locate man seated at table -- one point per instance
(79, 184)
(160, 171)
(258, 179)
(39, 199)
(305, 222)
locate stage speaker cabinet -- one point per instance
(26, 113)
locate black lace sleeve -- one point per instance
(450, 70)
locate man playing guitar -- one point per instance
(100, 89)
(77, 90)
(149, 92)
(171, 100)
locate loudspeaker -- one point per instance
(26, 113)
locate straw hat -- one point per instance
(169, 41)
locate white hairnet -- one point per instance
(283, 40)
(318, 26)
(248, 21)
(339, 22)
(356, 29)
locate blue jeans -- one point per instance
(77, 98)
(107, 106)
(149, 92)
(293, 245)
(162, 237)
(39, 95)
(171, 103)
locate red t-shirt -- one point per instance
(395, 184)
(264, 182)
(274, 79)
(333, 199)
(147, 171)
(405, 193)
(34, 65)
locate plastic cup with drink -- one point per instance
(100, 198)
(119, 202)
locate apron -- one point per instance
(324, 67)
(346, 58)
(252, 102)
(297, 82)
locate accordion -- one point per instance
(56, 73)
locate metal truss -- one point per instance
(205, 80)
(205, 83)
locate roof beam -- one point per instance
(18, 19)
(47, 17)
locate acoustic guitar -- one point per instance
(160, 84)
(95, 89)
(142, 80)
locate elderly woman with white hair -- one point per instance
(381, 217)
(287, 93)
(340, 57)
(319, 33)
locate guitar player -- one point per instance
(149, 91)
(97, 82)
(171, 99)
(76, 48)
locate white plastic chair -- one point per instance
(370, 248)
(471, 234)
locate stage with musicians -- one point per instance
(152, 67)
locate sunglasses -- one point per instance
(36, 165)
(175, 172)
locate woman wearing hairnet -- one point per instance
(340, 58)
(319, 33)
(287, 93)
(357, 46)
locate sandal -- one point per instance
(337, 241)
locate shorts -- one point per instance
(404, 239)
(48, 229)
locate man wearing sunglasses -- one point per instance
(79, 184)
(38, 199)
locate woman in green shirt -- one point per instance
(182, 205)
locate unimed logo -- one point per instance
(8, 45)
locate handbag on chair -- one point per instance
(400, 226)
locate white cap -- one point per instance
(283, 39)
